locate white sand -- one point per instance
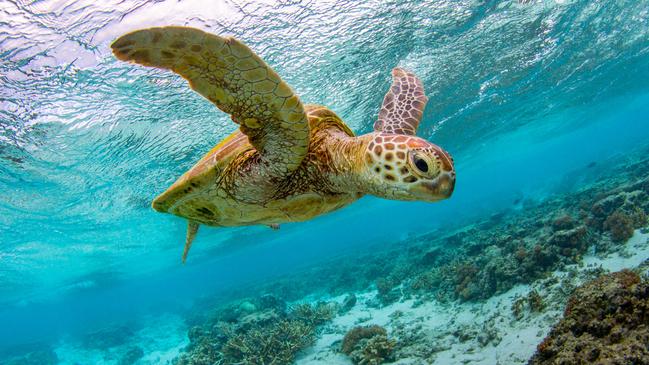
(505, 340)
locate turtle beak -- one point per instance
(444, 184)
(437, 189)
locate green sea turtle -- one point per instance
(287, 162)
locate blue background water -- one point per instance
(524, 94)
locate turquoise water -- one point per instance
(522, 94)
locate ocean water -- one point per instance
(532, 99)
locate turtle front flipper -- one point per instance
(236, 80)
(403, 105)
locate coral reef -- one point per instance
(621, 213)
(368, 345)
(258, 332)
(386, 289)
(620, 225)
(313, 315)
(563, 222)
(356, 334)
(373, 351)
(522, 247)
(274, 344)
(606, 321)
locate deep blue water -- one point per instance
(522, 93)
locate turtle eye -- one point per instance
(421, 164)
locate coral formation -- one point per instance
(274, 344)
(606, 321)
(356, 334)
(385, 287)
(259, 332)
(492, 257)
(620, 225)
(621, 212)
(563, 222)
(373, 351)
(368, 345)
(313, 315)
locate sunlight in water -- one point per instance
(531, 98)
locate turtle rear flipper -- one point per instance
(236, 80)
(192, 229)
(403, 105)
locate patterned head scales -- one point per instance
(402, 165)
(409, 168)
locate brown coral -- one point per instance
(620, 225)
(465, 276)
(373, 351)
(563, 222)
(520, 254)
(358, 333)
(571, 238)
(606, 321)
(368, 345)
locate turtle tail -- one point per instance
(192, 228)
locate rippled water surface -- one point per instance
(521, 92)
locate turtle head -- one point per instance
(405, 167)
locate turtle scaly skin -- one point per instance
(287, 162)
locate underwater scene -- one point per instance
(326, 182)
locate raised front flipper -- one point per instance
(236, 80)
(403, 105)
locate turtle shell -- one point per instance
(209, 168)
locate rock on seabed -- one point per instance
(606, 321)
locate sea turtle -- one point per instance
(287, 162)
